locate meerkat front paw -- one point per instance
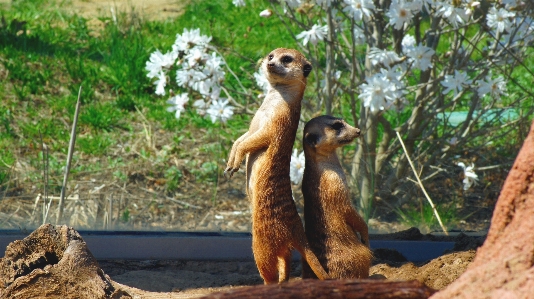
(229, 171)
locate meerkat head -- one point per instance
(285, 66)
(323, 134)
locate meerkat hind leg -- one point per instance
(267, 268)
(284, 265)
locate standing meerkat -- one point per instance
(337, 234)
(276, 225)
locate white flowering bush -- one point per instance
(439, 72)
(194, 67)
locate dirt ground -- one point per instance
(191, 279)
(150, 9)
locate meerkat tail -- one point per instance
(314, 263)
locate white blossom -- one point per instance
(453, 141)
(266, 13)
(178, 104)
(189, 77)
(378, 93)
(194, 57)
(314, 35)
(400, 14)
(382, 56)
(262, 81)
(158, 61)
(456, 15)
(408, 43)
(296, 170)
(359, 36)
(470, 176)
(190, 39)
(160, 83)
(359, 9)
(205, 87)
(494, 87)
(394, 76)
(220, 110)
(499, 20)
(201, 106)
(455, 82)
(238, 2)
(421, 56)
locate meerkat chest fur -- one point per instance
(286, 70)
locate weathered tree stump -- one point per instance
(53, 262)
(326, 289)
(503, 266)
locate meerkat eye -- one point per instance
(271, 56)
(287, 59)
(311, 139)
(338, 126)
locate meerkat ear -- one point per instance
(311, 139)
(307, 69)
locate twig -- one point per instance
(69, 157)
(9, 217)
(148, 130)
(490, 167)
(172, 199)
(9, 181)
(46, 208)
(110, 214)
(421, 185)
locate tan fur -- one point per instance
(338, 235)
(276, 225)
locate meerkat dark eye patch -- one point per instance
(270, 57)
(287, 59)
(311, 139)
(307, 69)
(338, 126)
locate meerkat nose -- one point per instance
(270, 64)
(358, 131)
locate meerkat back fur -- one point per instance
(337, 234)
(276, 225)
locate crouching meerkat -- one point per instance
(276, 225)
(337, 234)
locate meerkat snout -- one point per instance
(307, 70)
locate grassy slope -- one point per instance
(47, 54)
(43, 66)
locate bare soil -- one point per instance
(190, 279)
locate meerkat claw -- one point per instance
(228, 172)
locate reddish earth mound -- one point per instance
(504, 266)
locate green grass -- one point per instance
(46, 54)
